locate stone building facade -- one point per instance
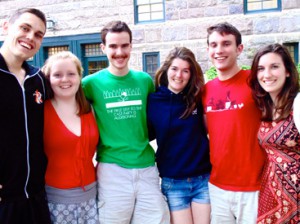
(185, 24)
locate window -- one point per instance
(254, 6)
(151, 62)
(94, 58)
(86, 47)
(149, 10)
(54, 50)
(293, 48)
(93, 50)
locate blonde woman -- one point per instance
(70, 138)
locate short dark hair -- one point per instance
(115, 27)
(33, 11)
(225, 28)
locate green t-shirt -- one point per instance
(120, 109)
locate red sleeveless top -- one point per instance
(70, 157)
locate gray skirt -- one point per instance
(73, 206)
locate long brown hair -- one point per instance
(83, 105)
(193, 89)
(289, 91)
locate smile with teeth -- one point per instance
(269, 82)
(28, 46)
(65, 87)
(220, 58)
(177, 80)
(120, 58)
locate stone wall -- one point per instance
(185, 25)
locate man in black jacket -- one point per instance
(22, 94)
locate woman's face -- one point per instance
(271, 74)
(178, 75)
(64, 78)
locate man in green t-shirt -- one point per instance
(128, 181)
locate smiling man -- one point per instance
(128, 181)
(22, 95)
(232, 122)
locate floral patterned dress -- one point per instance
(279, 195)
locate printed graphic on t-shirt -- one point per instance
(123, 105)
(226, 103)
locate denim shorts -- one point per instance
(180, 193)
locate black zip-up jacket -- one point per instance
(22, 159)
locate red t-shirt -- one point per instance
(233, 121)
(70, 157)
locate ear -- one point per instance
(287, 74)
(240, 48)
(102, 46)
(5, 27)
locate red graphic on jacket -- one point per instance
(38, 97)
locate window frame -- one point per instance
(93, 39)
(295, 45)
(136, 14)
(246, 11)
(145, 65)
(75, 44)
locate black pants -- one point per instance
(25, 211)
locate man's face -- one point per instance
(117, 49)
(222, 51)
(24, 35)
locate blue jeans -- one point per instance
(181, 193)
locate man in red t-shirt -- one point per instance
(232, 121)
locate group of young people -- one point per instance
(228, 151)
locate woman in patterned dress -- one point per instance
(274, 81)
